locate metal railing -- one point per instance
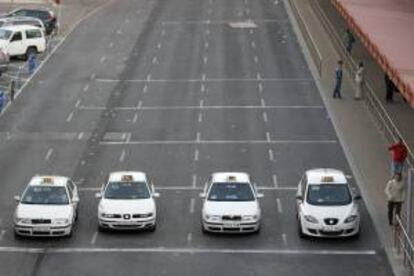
(310, 41)
(403, 244)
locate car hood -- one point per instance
(219, 208)
(131, 206)
(339, 212)
(35, 211)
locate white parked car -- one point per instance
(230, 204)
(127, 202)
(22, 40)
(47, 207)
(326, 205)
(22, 20)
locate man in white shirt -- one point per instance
(395, 192)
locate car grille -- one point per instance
(41, 221)
(231, 217)
(331, 221)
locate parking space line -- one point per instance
(198, 137)
(122, 157)
(258, 76)
(134, 120)
(275, 181)
(94, 237)
(145, 88)
(206, 44)
(194, 183)
(203, 87)
(262, 102)
(216, 142)
(154, 60)
(268, 137)
(265, 117)
(271, 155)
(200, 117)
(80, 136)
(2, 233)
(279, 206)
(86, 87)
(189, 237)
(149, 77)
(78, 102)
(48, 154)
(192, 205)
(260, 86)
(186, 250)
(284, 238)
(139, 106)
(256, 59)
(196, 154)
(253, 44)
(69, 118)
(111, 44)
(201, 103)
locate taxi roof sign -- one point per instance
(47, 180)
(231, 178)
(327, 179)
(127, 178)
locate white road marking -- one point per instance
(69, 118)
(134, 120)
(159, 46)
(189, 237)
(192, 206)
(149, 77)
(203, 87)
(268, 137)
(103, 59)
(196, 154)
(207, 32)
(284, 238)
(256, 59)
(253, 44)
(118, 31)
(93, 76)
(139, 106)
(262, 102)
(194, 183)
(94, 237)
(260, 86)
(154, 60)
(2, 233)
(78, 102)
(145, 89)
(258, 76)
(279, 206)
(122, 157)
(209, 80)
(198, 137)
(183, 107)
(163, 32)
(205, 59)
(206, 44)
(275, 181)
(124, 135)
(265, 117)
(185, 250)
(204, 77)
(80, 136)
(128, 138)
(201, 103)
(111, 44)
(271, 155)
(200, 117)
(217, 142)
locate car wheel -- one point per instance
(101, 229)
(152, 228)
(17, 236)
(70, 234)
(300, 230)
(203, 229)
(30, 51)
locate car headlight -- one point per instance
(61, 221)
(23, 220)
(105, 215)
(310, 219)
(211, 217)
(250, 218)
(147, 215)
(351, 218)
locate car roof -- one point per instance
(326, 175)
(19, 27)
(21, 18)
(48, 180)
(127, 176)
(30, 9)
(225, 177)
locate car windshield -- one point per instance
(231, 192)
(45, 195)
(328, 194)
(5, 34)
(127, 190)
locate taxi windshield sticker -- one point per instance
(127, 178)
(231, 178)
(47, 180)
(327, 179)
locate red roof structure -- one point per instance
(386, 28)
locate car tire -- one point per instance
(17, 236)
(203, 230)
(29, 51)
(68, 236)
(300, 230)
(152, 228)
(101, 229)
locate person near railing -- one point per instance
(395, 192)
(398, 155)
(338, 80)
(359, 78)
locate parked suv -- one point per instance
(47, 16)
(22, 40)
(22, 20)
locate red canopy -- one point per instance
(386, 28)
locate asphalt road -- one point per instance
(179, 89)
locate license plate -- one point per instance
(41, 229)
(232, 224)
(129, 223)
(330, 229)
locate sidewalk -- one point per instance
(365, 147)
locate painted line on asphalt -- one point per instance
(271, 155)
(206, 44)
(205, 79)
(149, 76)
(93, 76)
(275, 181)
(139, 106)
(122, 157)
(192, 206)
(189, 237)
(216, 142)
(159, 46)
(279, 206)
(253, 44)
(203, 87)
(111, 44)
(94, 237)
(145, 88)
(198, 137)
(219, 22)
(154, 60)
(284, 239)
(268, 137)
(258, 76)
(262, 102)
(256, 59)
(200, 117)
(260, 86)
(196, 155)
(48, 154)
(134, 120)
(184, 250)
(69, 118)
(2, 233)
(86, 88)
(183, 107)
(78, 102)
(80, 135)
(265, 119)
(103, 59)
(194, 182)
(201, 103)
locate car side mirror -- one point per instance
(75, 199)
(156, 195)
(299, 197)
(98, 195)
(17, 198)
(202, 195)
(260, 195)
(357, 197)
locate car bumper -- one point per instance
(3, 68)
(43, 231)
(127, 224)
(242, 227)
(342, 230)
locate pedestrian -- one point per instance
(349, 40)
(31, 63)
(338, 80)
(12, 89)
(398, 156)
(389, 89)
(395, 192)
(359, 79)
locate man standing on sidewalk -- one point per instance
(349, 40)
(338, 80)
(398, 156)
(395, 192)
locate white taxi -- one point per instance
(127, 202)
(47, 207)
(326, 205)
(230, 204)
